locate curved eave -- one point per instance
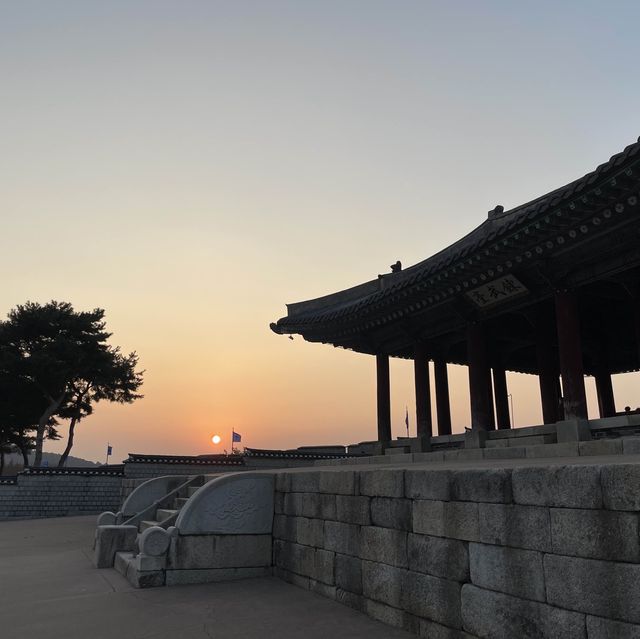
(443, 274)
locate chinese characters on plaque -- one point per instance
(495, 292)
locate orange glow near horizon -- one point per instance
(193, 167)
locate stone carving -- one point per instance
(154, 541)
(107, 519)
(150, 491)
(237, 503)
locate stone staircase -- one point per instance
(177, 529)
(129, 563)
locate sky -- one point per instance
(191, 167)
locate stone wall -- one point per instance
(58, 495)
(529, 552)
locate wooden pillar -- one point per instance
(570, 350)
(604, 388)
(478, 375)
(443, 407)
(384, 398)
(501, 398)
(548, 377)
(423, 391)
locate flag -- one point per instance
(109, 450)
(406, 418)
(236, 437)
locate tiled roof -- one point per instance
(499, 225)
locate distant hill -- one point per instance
(13, 462)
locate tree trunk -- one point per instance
(63, 458)
(25, 455)
(42, 426)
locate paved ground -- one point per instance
(49, 589)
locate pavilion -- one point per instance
(550, 288)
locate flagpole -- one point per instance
(106, 459)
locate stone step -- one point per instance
(179, 502)
(147, 524)
(397, 450)
(164, 513)
(122, 561)
(192, 490)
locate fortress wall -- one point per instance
(59, 495)
(528, 552)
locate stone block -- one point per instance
(350, 599)
(382, 583)
(457, 520)
(510, 452)
(498, 616)
(475, 438)
(420, 445)
(189, 552)
(517, 526)
(278, 503)
(470, 454)
(433, 456)
(292, 578)
(599, 628)
(601, 447)
(305, 481)
(565, 449)
(391, 513)
(428, 484)
(385, 614)
(496, 443)
(293, 504)
(338, 482)
(621, 486)
(461, 520)
(283, 482)
(630, 445)
(181, 577)
(323, 566)
(595, 534)
(342, 538)
(515, 572)
(295, 558)
(438, 556)
(574, 486)
(603, 588)
(322, 589)
(309, 532)
(432, 597)
(573, 430)
(110, 540)
(353, 509)
(348, 573)
(382, 483)
(428, 517)
(284, 528)
(482, 485)
(385, 545)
